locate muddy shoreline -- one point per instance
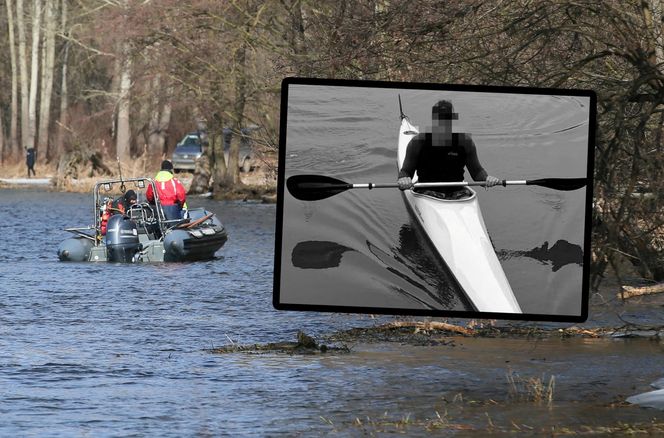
(257, 185)
(505, 378)
(610, 318)
(262, 193)
(505, 381)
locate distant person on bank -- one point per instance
(172, 194)
(30, 161)
(441, 156)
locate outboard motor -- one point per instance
(121, 239)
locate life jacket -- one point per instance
(171, 191)
(105, 216)
(441, 163)
(118, 206)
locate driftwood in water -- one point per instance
(630, 292)
(442, 333)
(431, 325)
(305, 345)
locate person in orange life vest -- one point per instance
(124, 203)
(172, 194)
(106, 211)
(120, 205)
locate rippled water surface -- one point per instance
(121, 347)
(122, 350)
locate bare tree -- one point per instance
(3, 143)
(48, 70)
(123, 136)
(160, 116)
(63, 119)
(34, 75)
(23, 73)
(14, 149)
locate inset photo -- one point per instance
(427, 199)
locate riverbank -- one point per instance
(259, 184)
(610, 318)
(501, 377)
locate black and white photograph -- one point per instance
(441, 199)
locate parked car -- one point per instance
(192, 146)
(187, 151)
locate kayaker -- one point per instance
(172, 194)
(441, 155)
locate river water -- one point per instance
(123, 350)
(362, 248)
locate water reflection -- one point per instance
(413, 261)
(317, 254)
(416, 253)
(562, 253)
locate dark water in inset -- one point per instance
(351, 133)
(121, 350)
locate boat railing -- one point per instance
(158, 218)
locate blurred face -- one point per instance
(441, 132)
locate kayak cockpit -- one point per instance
(465, 194)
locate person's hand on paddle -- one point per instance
(491, 181)
(405, 183)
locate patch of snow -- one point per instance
(26, 181)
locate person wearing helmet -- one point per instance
(441, 156)
(171, 192)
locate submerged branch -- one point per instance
(305, 345)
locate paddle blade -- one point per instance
(315, 187)
(566, 184)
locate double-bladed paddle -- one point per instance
(317, 187)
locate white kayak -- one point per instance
(457, 231)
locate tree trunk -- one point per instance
(165, 119)
(233, 172)
(200, 182)
(218, 161)
(657, 10)
(13, 151)
(115, 91)
(123, 132)
(64, 92)
(155, 135)
(296, 37)
(47, 81)
(34, 76)
(652, 16)
(23, 75)
(2, 139)
(205, 166)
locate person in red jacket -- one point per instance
(172, 194)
